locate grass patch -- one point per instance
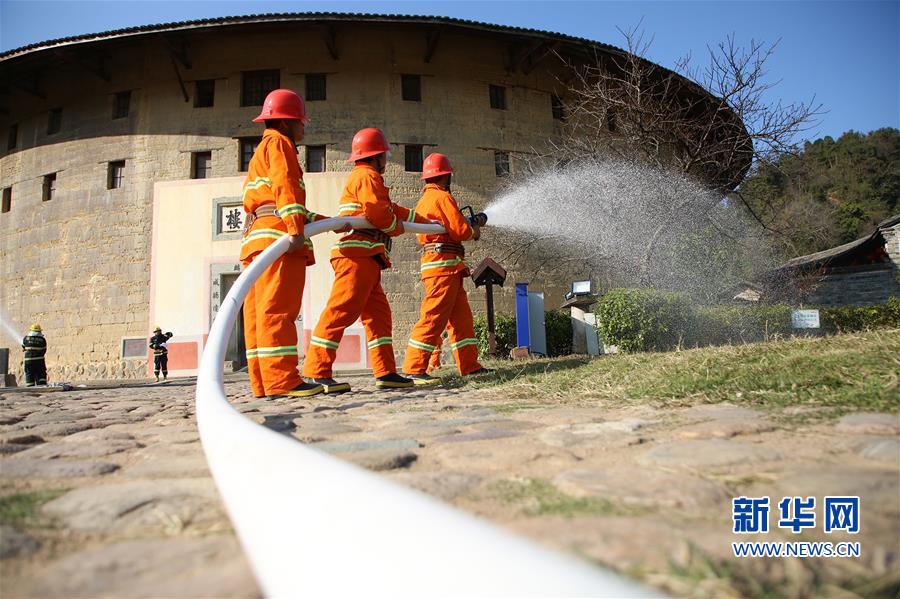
(538, 497)
(843, 372)
(21, 510)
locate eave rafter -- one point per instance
(431, 41)
(329, 34)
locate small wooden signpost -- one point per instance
(489, 273)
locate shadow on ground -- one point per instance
(509, 371)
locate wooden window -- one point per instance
(315, 87)
(204, 93)
(498, 97)
(315, 159)
(413, 158)
(49, 187)
(248, 147)
(255, 86)
(121, 105)
(12, 139)
(115, 174)
(501, 163)
(411, 87)
(201, 165)
(7, 199)
(54, 121)
(557, 107)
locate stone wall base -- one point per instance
(92, 371)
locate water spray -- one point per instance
(636, 224)
(10, 331)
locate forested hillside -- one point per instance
(832, 192)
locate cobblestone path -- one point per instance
(105, 492)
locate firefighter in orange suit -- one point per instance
(443, 272)
(275, 203)
(358, 259)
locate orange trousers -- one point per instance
(270, 310)
(356, 293)
(446, 305)
(434, 363)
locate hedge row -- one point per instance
(558, 326)
(648, 320)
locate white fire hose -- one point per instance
(312, 525)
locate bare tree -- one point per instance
(711, 123)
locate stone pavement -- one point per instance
(119, 502)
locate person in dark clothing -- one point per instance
(35, 347)
(159, 345)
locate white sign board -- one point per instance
(805, 319)
(231, 219)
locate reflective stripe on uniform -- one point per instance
(412, 216)
(379, 341)
(420, 345)
(294, 208)
(348, 207)
(263, 234)
(440, 263)
(323, 343)
(272, 352)
(256, 184)
(359, 244)
(34, 358)
(393, 225)
(463, 343)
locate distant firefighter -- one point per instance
(159, 343)
(35, 347)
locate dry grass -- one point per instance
(838, 374)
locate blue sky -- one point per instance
(845, 53)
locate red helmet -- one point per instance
(435, 166)
(368, 142)
(282, 104)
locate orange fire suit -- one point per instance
(358, 260)
(274, 178)
(434, 363)
(446, 303)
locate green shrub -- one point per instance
(559, 333)
(718, 325)
(645, 320)
(848, 319)
(505, 334)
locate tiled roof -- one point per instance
(296, 18)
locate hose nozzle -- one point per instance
(475, 220)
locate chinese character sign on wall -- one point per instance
(231, 219)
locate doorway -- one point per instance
(236, 352)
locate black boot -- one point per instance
(302, 390)
(332, 386)
(393, 381)
(424, 379)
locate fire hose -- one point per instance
(313, 525)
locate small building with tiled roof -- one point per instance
(863, 272)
